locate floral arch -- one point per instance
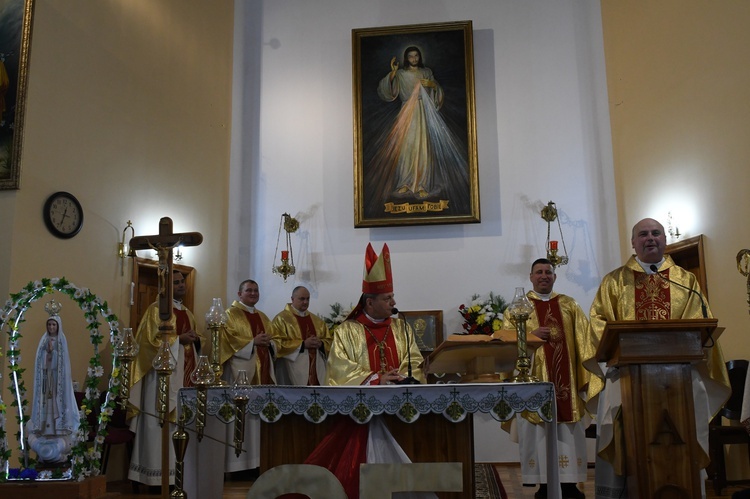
(85, 458)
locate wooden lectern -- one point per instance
(655, 360)
(479, 358)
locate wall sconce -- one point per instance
(673, 230)
(123, 248)
(286, 268)
(177, 254)
(549, 214)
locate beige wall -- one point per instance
(679, 92)
(129, 109)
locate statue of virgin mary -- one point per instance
(54, 411)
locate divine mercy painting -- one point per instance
(415, 158)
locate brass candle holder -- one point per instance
(180, 439)
(126, 350)
(202, 378)
(241, 394)
(216, 320)
(519, 311)
(164, 363)
(549, 215)
(290, 225)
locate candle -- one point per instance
(284, 255)
(553, 245)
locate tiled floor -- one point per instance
(511, 478)
(509, 474)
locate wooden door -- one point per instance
(688, 254)
(146, 287)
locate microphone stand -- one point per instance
(704, 310)
(409, 379)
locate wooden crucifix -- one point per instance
(163, 243)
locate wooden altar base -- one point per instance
(90, 488)
(432, 438)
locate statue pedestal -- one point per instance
(90, 488)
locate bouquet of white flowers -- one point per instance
(337, 316)
(483, 315)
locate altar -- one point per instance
(432, 423)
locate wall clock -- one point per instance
(63, 215)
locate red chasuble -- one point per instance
(381, 345)
(557, 356)
(264, 356)
(306, 326)
(653, 301)
(182, 325)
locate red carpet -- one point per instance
(487, 482)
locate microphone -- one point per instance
(409, 379)
(655, 270)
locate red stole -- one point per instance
(182, 325)
(557, 356)
(308, 330)
(264, 356)
(653, 300)
(381, 345)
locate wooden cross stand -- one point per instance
(163, 243)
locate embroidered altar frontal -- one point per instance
(454, 401)
(430, 423)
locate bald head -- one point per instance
(649, 240)
(301, 298)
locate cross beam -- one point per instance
(163, 243)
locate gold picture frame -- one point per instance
(415, 141)
(15, 41)
(427, 326)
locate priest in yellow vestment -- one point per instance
(303, 340)
(569, 342)
(639, 290)
(145, 463)
(247, 345)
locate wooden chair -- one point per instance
(118, 432)
(720, 435)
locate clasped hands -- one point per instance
(189, 337)
(312, 343)
(390, 377)
(262, 339)
(542, 333)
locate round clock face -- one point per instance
(63, 215)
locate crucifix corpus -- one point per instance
(163, 243)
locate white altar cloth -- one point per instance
(407, 402)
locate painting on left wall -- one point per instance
(15, 40)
